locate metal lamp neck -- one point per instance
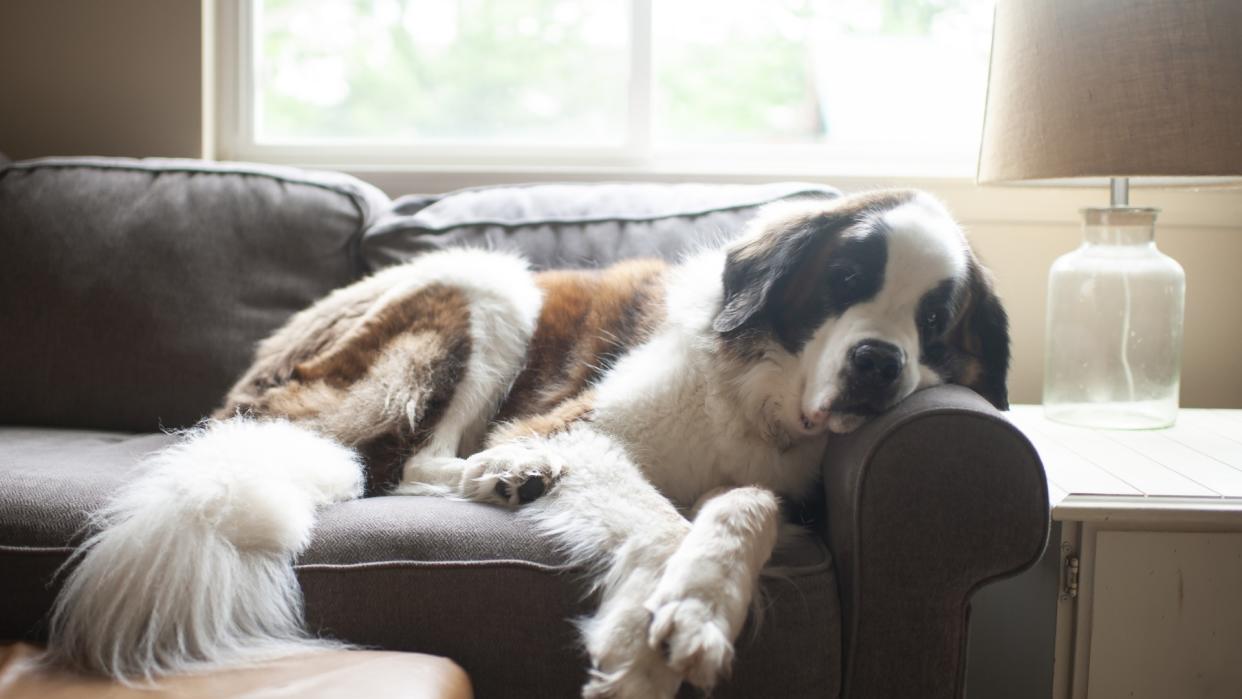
(1119, 190)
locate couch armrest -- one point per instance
(925, 504)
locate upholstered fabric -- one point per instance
(457, 579)
(50, 478)
(319, 675)
(132, 291)
(575, 225)
(927, 503)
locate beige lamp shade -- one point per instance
(1113, 88)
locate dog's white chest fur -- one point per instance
(681, 420)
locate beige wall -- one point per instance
(122, 77)
(100, 77)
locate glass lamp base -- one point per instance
(1141, 415)
(1114, 333)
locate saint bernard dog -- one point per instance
(647, 418)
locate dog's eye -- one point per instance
(932, 323)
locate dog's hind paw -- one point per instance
(511, 474)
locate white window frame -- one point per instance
(234, 136)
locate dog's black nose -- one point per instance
(876, 362)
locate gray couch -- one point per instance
(132, 292)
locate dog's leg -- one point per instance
(504, 306)
(606, 515)
(702, 600)
(498, 337)
(518, 465)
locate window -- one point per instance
(865, 86)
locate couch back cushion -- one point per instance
(575, 225)
(132, 292)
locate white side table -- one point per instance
(1149, 553)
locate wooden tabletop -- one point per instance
(1193, 468)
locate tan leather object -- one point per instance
(318, 675)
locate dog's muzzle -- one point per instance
(872, 375)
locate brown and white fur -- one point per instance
(647, 418)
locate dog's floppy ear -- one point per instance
(982, 335)
(767, 258)
(751, 271)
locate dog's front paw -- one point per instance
(687, 633)
(511, 474)
(646, 678)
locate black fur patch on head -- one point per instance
(787, 282)
(752, 272)
(852, 274)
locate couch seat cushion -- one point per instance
(460, 580)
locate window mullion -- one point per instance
(638, 139)
(249, 33)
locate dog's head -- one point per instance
(846, 306)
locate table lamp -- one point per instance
(1114, 89)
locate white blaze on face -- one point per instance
(924, 247)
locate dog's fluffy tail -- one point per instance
(193, 566)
